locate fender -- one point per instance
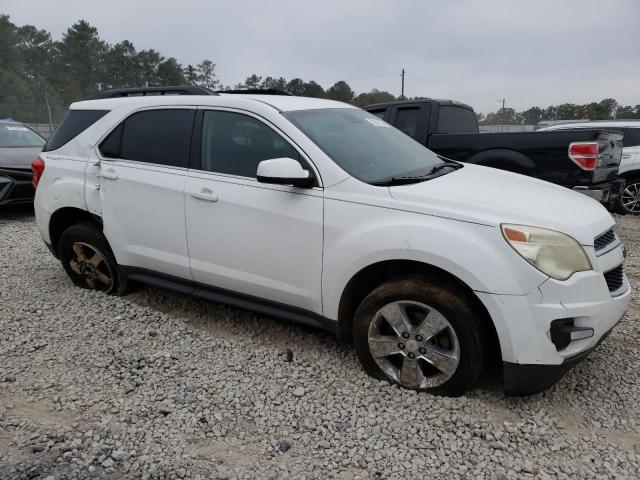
(504, 159)
(475, 254)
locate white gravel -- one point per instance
(159, 385)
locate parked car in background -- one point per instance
(19, 146)
(321, 213)
(586, 161)
(629, 199)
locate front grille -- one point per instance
(603, 240)
(614, 278)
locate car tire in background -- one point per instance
(423, 334)
(629, 199)
(88, 260)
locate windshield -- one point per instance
(366, 147)
(16, 135)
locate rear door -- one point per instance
(143, 167)
(412, 119)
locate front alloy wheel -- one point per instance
(422, 333)
(414, 344)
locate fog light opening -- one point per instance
(563, 332)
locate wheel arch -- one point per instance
(65, 217)
(371, 276)
(504, 159)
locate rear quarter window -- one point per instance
(631, 137)
(452, 119)
(73, 123)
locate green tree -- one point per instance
(313, 89)
(296, 87)
(206, 75)
(374, 96)
(273, 83)
(81, 61)
(170, 72)
(340, 91)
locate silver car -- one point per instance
(19, 146)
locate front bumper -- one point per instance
(16, 187)
(523, 322)
(527, 379)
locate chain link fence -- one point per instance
(41, 117)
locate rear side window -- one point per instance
(153, 136)
(631, 137)
(407, 120)
(457, 120)
(378, 113)
(235, 144)
(73, 123)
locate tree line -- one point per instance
(40, 77)
(607, 109)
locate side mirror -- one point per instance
(284, 171)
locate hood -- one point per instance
(18, 157)
(490, 196)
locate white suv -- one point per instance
(321, 213)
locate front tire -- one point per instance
(88, 260)
(629, 200)
(422, 334)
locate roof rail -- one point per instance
(144, 91)
(257, 91)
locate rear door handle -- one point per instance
(109, 174)
(205, 194)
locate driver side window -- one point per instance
(235, 144)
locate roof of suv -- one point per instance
(281, 103)
(619, 123)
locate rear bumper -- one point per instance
(16, 187)
(604, 192)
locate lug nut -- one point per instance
(412, 355)
(423, 350)
(405, 335)
(401, 346)
(419, 338)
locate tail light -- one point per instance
(37, 167)
(585, 154)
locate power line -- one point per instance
(372, 76)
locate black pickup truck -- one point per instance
(584, 160)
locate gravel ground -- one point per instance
(159, 385)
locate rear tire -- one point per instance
(88, 260)
(422, 334)
(629, 200)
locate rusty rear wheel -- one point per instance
(88, 260)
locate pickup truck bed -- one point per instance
(451, 130)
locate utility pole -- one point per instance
(502, 117)
(402, 91)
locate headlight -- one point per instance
(553, 253)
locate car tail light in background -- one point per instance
(585, 154)
(37, 167)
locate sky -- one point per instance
(529, 52)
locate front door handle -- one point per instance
(109, 174)
(205, 194)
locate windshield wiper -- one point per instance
(408, 179)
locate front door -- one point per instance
(142, 177)
(260, 240)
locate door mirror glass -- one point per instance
(284, 171)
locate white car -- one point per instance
(321, 213)
(629, 200)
